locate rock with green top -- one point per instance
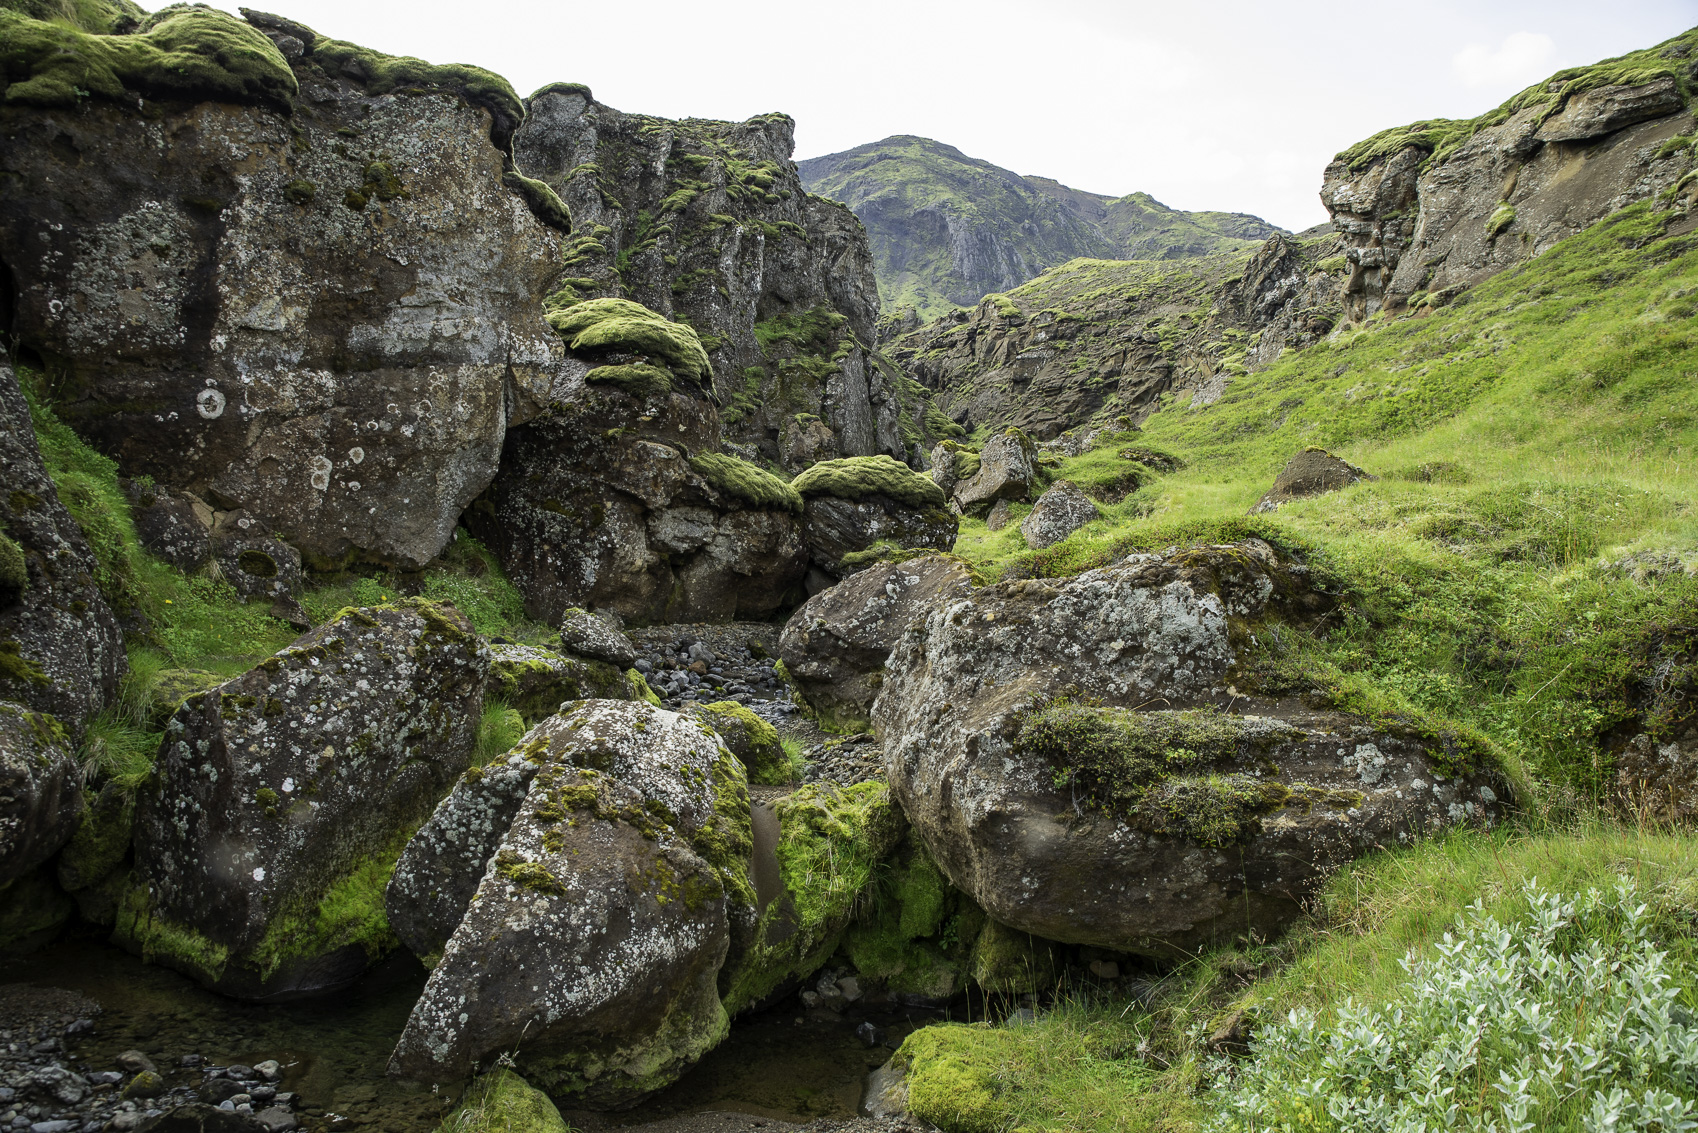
(503, 1102)
(284, 796)
(61, 651)
(1005, 473)
(41, 799)
(1312, 472)
(170, 687)
(1076, 759)
(535, 681)
(852, 504)
(593, 943)
(751, 739)
(835, 646)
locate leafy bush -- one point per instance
(1568, 1018)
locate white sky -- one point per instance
(1234, 104)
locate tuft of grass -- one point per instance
(500, 728)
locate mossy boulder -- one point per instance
(834, 647)
(503, 1102)
(284, 796)
(535, 681)
(751, 739)
(1075, 760)
(858, 477)
(598, 327)
(1004, 471)
(102, 840)
(839, 532)
(592, 945)
(1312, 472)
(41, 799)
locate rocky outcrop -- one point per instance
(61, 651)
(1005, 473)
(835, 646)
(283, 797)
(314, 300)
(40, 790)
(708, 222)
(1431, 209)
(1073, 759)
(1312, 472)
(1059, 512)
(535, 681)
(593, 944)
(855, 504)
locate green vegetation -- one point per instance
(857, 477)
(503, 1102)
(381, 74)
(180, 51)
(623, 327)
(741, 480)
(1441, 137)
(350, 911)
(751, 739)
(500, 728)
(541, 198)
(638, 379)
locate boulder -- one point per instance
(503, 1102)
(855, 503)
(591, 948)
(583, 633)
(1005, 473)
(173, 526)
(751, 739)
(1059, 512)
(40, 790)
(1074, 760)
(322, 308)
(835, 646)
(61, 651)
(1312, 472)
(256, 565)
(284, 796)
(535, 681)
(1657, 779)
(943, 468)
(999, 515)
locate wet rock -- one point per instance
(1312, 472)
(1059, 512)
(40, 790)
(592, 945)
(1051, 813)
(134, 1062)
(66, 1087)
(276, 1119)
(319, 318)
(147, 1084)
(1005, 473)
(302, 776)
(835, 646)
(61, 651)
(583, 633)
(886, 1094)
(198, 1117)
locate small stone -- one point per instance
(190, 1060)
(147, 1084)
(105, 1078)
(219, 1089)
(240, 1100)
(276, 1119)
(60, 1126)
(239, 1072)
(869, 1035)
(270, 1070)
(80, 1027)
(125, 1121)
(134, 1062)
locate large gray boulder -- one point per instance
(284, 796)
(61, 651)
(593, 943)
(835, 646)
(40, 790)
(1059, 512)
(1073, 758)
(1005, 473)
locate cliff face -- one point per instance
(708, 223)
(1431, 209)
(1103, 338)
(947, 229)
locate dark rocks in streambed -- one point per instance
(283, 796)
(835, 646)
(1074, 756)
(61, 650)
(594, 939)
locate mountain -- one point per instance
(947, 229)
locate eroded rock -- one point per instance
(1005, 473)
(1059, 512)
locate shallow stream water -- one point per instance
(786, 1064)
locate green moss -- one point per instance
(857, 477)
(100, 17)
(158, 939)
(638, 379)
(182, 51)
(1502, 217)
(727, 839)
(102, 838)
(950, 1081)
(641, 687)
(349, 912)
(545, 204)
(751, 739)
(621, 326)
(1008, 961)
(300, 191)
(750, 483)
(503, 1102)
(528, 875)
(14, 666)
(14, 571)
(382, 74)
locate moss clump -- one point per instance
(950, 1082)
(1502, 217)
(349, 912)
(181, 51)
(156, 938)
(637, 379)
(640, 686)
(1211, 810)
(381, 74)
(751, 739)
(545, 204)
(1009, 961)
(747, 482)
(503, 1102)
(101, 17)
(857, 477)
(170, 687)
(300, 191)
(915, 930)
(528, 875)
(14, 571)
(621, 326)
(102, 838)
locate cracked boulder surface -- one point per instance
(61, 650)
(284, 796)
(1074, 758)
(41, 796)
(592, 945)
(326, 319)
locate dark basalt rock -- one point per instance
(40, 790)
(1312, 472)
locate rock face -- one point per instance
(708, 221)
(593, 944)
(1059, 512)
(1005, 473)
(61, 651)
(321, 309)
(171, 525)
(284, 796)
(600, 504)
(1134, 830)
(1312, 472)
(835, 646)
(1432, 209)
(40, 790)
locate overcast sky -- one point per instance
(1228, 105)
